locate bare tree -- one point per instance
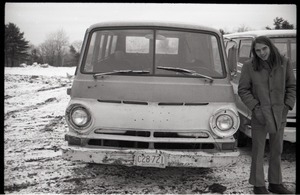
(77, 46)
(243, 28)
(48, 51)
(54, 48)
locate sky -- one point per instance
(38, 20)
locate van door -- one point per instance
(287, 47)
(243, 54)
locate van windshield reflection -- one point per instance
(122, 72)
(185, 71)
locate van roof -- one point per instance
(268, 33)
(186, 25)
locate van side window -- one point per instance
(100, 56)
(94, 49)
(245, 50)
(293, 55)
(229, 46)
(287, 47)
(282, 47)
(216, 55)
(107, 46)
(114, 44)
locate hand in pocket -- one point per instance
(258, 115)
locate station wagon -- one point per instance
(238, 48)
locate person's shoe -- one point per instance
(279, 189)
(260, 190)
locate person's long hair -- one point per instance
(274, 57)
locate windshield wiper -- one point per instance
(122, 72)
(184, 71)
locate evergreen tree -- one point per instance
(75, 53)
(280, 23)
(72, 58)
(287, 25)
(34, 55)
(15, 46)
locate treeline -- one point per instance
(55, 50)
(278, 22)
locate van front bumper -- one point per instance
(211, 158)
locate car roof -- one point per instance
(268, 33)
(172, 24)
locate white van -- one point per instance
(152, 94)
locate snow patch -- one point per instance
(43, 70)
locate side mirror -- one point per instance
(232, 60)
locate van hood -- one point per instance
(163, 90)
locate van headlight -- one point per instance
(78, 116)
(224, 122)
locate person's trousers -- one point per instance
(259, 134)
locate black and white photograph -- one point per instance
(149, 98)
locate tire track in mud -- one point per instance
(36, 79)
(52, 123)
(6, 97)
(32, 107)
(51, 88)
(18, 187)
(48, 83)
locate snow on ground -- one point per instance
(38, 70)
(35, 102)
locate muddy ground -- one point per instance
(34, 129)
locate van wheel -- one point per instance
(242, 139)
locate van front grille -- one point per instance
(146, 145)
(159, 103)
(191, 140)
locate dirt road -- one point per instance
(34, 133)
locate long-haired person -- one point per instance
(267, 87)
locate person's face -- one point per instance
(262, 51)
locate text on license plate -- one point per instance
(150, 160)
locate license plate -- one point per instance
(150, 160)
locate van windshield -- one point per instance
(287, 47)
(146, 49)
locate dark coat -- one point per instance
(274, 90)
